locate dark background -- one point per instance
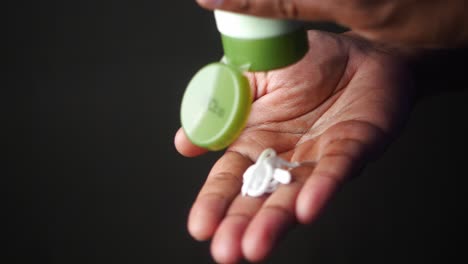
(90, 109)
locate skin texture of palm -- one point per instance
(339, 107)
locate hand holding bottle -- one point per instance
(415, 23)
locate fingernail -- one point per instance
(212, 4)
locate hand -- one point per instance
(415, 23)
(338, 107)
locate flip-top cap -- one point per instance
(215, 106)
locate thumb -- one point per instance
(312, 10)
(185, 147)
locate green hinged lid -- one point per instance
(215, 106)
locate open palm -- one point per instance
(337, 107)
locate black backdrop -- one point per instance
(90, 109)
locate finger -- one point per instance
(276, 216)
(226, 244)
(337, 160)
(185, 147)
(320, 186)
(291, 9)
(221, 187)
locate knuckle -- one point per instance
(278, 209)
(281, 8)
(373, 14)
(286, 8)
(245, 5)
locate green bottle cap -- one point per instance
(215, 106)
